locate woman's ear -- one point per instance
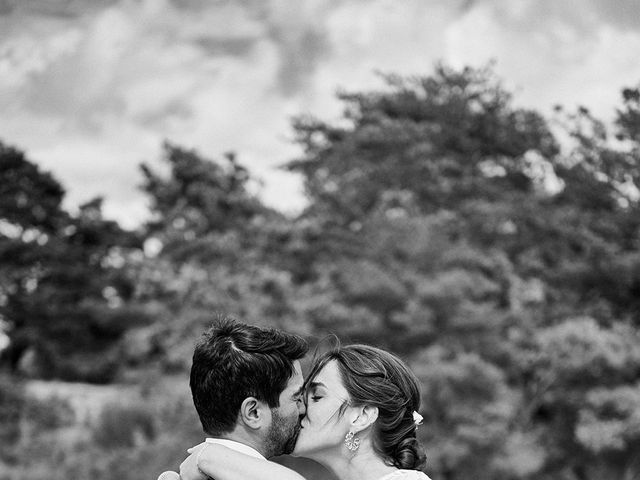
(252, 413)
(367, 415)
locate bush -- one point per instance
(11, 401)
(49, 414)
(124, 425)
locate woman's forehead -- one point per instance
(329, 375)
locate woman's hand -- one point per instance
(189, 468)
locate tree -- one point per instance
(199, 199)
(440, 140)
(63, 289)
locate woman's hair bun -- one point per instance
(409, 455)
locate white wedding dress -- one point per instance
(405, 475)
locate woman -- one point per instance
(361, 420)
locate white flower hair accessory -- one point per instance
(417, 418)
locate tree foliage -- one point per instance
(63, 288)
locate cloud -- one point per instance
(623, 14)
(53, 8)
(90, 88)
(550, 52)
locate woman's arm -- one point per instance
(222, 463)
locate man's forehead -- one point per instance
(296, 381)
(297, 368)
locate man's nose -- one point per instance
(302, 408)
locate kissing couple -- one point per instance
(356, 412)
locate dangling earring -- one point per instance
(351, 441)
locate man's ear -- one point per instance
(254, 413)
(367, 415)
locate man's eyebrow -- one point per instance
(298, 392)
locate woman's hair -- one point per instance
(378, 378)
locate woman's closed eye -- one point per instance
(314, 395)
(315, 392)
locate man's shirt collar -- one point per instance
(237, 446)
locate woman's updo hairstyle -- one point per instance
(378, 378)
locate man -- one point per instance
(246, 384)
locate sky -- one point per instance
(89, 89)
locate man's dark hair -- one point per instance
(233, 361)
